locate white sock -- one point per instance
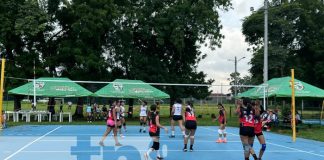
(158, 153)
(149, 151)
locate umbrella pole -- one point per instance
(34, 104)
(293, 109)
(322, 112)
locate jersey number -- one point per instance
(249, 118)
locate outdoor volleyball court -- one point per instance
(80, 142)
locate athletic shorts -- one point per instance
(247, 131)
(156, 134)
(222, 121)
(177, 117)
(259, 134)
(191, 125)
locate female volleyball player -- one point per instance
(258, 128)
(154, 132)
(222, 124)
(122, 109)
(143, 117)
(177, 116)
(191, 126)
(119, 118)
(246, 116)
(112, 124)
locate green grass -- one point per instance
(315, 132)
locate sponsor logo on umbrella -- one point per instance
(118, 86)
(298, 86)
(39, 85)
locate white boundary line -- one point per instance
(89, 151)
(278, 145)
(308, 152)
(30, 143)
(130, 140)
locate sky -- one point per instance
(217, 65)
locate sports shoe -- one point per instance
(122, 136)
(158, 158)
(101, 144)
(118, 144)
(144, 131)
(185, 149)
(219, 141)
(140, 130)
(172, 136)
(224, 140)
(191, 149)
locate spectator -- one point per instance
(270, 119)
(61, 106)
(98, 112)
(89, 113)
(4, 119)
(104, 112)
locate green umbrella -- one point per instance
(122, 88)
(281, 87)
(52, 87)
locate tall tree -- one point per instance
(296, 31)
(160, 42)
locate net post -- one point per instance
(3, 61)
(293, 109)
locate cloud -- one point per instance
(216, 64)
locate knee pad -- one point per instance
(156, 145)
(192, 137)
(263, 147)
(220, 131)
(246, 148)
(186, 136)
(224, 131)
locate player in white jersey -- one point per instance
(177, 116)
(143, 116)
(122, 104)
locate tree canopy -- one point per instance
(296, 31)
(150, 40)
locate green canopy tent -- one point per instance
(281, 87)
(122, 88)
(52, 87)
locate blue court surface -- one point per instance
(80, 142)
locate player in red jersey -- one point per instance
(222, 124)
(258, 128)
(191, 126)
(154, 131)
(246, 116)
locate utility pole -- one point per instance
(235, 73)
(265, 58)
